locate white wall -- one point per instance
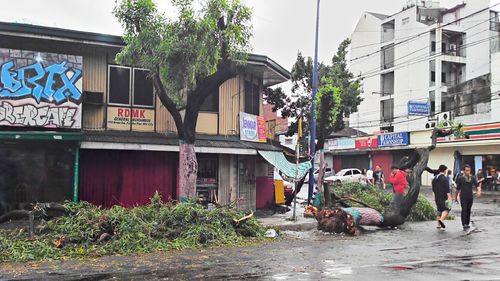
(412, 71)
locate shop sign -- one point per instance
(341, 143)
(420, 108)
(367, 142)
(125, 119)
(476, 132)
(252, 128)
(39, 89)
(394, 139)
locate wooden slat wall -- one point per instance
(164, 121)
(94, 80)
(228, 106)
(224, 179)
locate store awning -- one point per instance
(41, 135)
(278, 160)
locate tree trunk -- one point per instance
(188, 171)
(321, 178)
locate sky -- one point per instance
(282, 28)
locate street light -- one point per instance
(313, 108)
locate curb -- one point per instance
(304, 226)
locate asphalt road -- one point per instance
(416, 251)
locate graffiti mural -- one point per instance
(39, 89)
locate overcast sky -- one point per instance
(281, 27)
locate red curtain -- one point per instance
(127, 178)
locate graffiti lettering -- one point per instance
(30, 115)
(38, 82)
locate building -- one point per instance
(427, 65)
(276, 125)
(76, 126)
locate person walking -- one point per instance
(442, 195)
(399, 183)
(465, 185)
(378, 177)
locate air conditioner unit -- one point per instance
(430, 125)
(444, 118)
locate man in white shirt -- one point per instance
(369, 176)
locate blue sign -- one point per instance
(394, 139)
(418, 108)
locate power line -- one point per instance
(433, 29)
(423, 117)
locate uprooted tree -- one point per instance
(338, 96)
(342, 220)
(189, 57)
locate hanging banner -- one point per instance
(252, 128)
(367, 142)
(394, 139)
(39, 89)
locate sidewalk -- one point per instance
(284, 221)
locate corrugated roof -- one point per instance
(162, 139)
(347, 132)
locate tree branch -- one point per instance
(169, 104)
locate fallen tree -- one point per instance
(417, 163)
(86, 230)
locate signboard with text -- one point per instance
(125, 119)
(40, 89)
(394, 139)
(367, 142)
(341, 143)
(420, 108)
(252, 128)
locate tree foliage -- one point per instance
(338, 94)
(190, 54)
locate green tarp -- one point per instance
(278, 160)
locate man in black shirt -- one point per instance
(442, 195)
(465, 185)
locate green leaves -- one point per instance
(188, 47)
(143, 229)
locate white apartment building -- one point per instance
(447, 57)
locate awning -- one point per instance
(278, 160)
(41, 135)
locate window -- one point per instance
(211, 103)
(387, 110)
(348, 173)
(432, 99)
(119, 85)
(433, 46)
(433, 76)
(252, 99)
(128, 89)
(355, 172)
(143, 89)
(443, 77)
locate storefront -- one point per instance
(40, 123)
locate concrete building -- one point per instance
(426, 65)
(426, 53)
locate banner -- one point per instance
(367, 142)
(252, 128)
(394, 139)
(39, 89)
(341, 143)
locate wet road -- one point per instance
(417, 251)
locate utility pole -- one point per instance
(313, 108)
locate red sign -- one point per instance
(261, 129)
(367, 142)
